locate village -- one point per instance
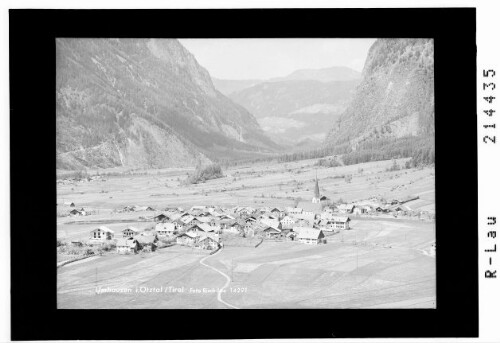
(207, 227)
(292, 235)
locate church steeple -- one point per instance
(317, 196)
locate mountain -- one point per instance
(144, 103)
(227, 87)
(322, 75)
(293, 110)
(394, 100)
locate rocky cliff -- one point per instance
(395, 98)
(144, 103)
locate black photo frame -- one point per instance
(33, 176)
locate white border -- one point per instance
(488, 19)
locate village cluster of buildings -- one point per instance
(202, 226)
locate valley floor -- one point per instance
(380, 263)
(377, 264)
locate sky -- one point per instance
(256, 58)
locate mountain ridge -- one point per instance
(144, 103)
(393, 102)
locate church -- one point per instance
(315, 205)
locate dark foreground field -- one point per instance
(378, 264)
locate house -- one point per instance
(294, 210)
(246, 211)
(400, 209)
(234, 227)
(146, 242)
(224, 216)
(327, 225)
(161, 217)
(175, 216)
(307, 216)
(204, 219)
(326, 215)
(270, 223)
(311, 236)
(287, 222)
(367, 208)
(80, 212)
(276, 212)
(126, 246)
(271, 232)
(345, 208)
(142, 208)
(102, 233)
(341, 223)
(165, 229)
(291, 236)
(209, 241)
(197, 208)
(310, 207)
(358, 210)
(303, 223)
(186, 220)
(130, 231)
(202, 228)
(382, 209)
(187, 238)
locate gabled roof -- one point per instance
(189, 234)
(165, 227)
(270, 223)
(161, 215)
(104, 228)
(346, 206)
(131, 228)
(309, 233)
(204, 219)
(341, 219)
(187, 219)
(149, 239)
(309, 217)
(123, 242)
(207, 228)
(211, 236)
(175, 216)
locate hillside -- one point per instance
(323, 75)
(394, 101)
(227, 87)
(296, 110)
(144, 103)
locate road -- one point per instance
(228, 280)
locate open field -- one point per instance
(271, 184)
(379, 263)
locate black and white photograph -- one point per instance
(245, 173)
(251, 173)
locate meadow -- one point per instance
(381, 263)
